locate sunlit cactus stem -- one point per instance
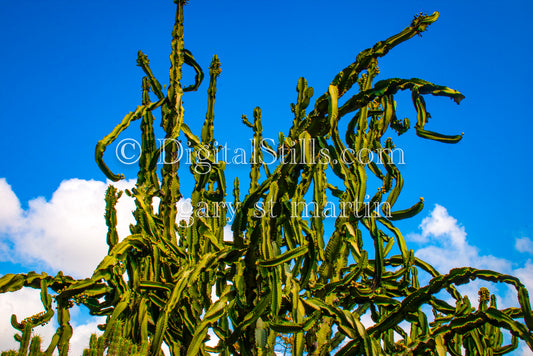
(282, 276)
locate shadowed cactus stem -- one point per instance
(281, 274)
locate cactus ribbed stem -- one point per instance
(280, 279)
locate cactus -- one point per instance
(281, 275)
(29, 346)
(113, 343)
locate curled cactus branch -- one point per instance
(279, 276)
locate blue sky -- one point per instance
(70, 75)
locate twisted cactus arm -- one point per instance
(176, 280)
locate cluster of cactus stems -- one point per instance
(281, 274)
(112, 344)
(115, 344)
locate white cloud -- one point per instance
(213, 338)
(524, 350)
(525, 274)
(68, 232)
(65, 233)
(166, 349)
(366, 320)
(81, 335)
(27, 302)
(10, 210)
(446, 245)
(23, 303)
(184, 211)
(524, 244)
(439, 223)
(228, 234)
